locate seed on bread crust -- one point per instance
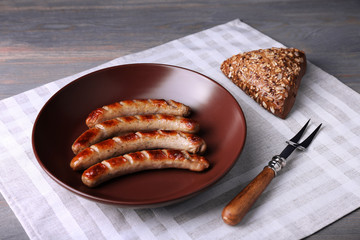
(270, 76)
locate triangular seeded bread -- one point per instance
(270, 76)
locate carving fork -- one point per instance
(237, 208)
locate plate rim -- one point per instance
(146, 203)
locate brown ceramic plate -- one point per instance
(62, 119)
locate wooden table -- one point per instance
(42, 41)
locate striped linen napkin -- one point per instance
(317, 187)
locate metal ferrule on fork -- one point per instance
(276, 164)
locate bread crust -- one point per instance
(270, 76)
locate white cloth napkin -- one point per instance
(316, 188)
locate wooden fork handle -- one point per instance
(237, 208)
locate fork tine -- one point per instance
(309, 139)
(297, 137)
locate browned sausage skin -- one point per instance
(140, 161)
(123, 125)
(135, 142)
(136, 107)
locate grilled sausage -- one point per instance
(136, 107)
(123, 125)
(135, 142)
(140, 161)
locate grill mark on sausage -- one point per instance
(135, 142)
(123, 125)
(136, 107)
(140, 161)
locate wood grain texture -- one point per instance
(42, 41)
(240, 205)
